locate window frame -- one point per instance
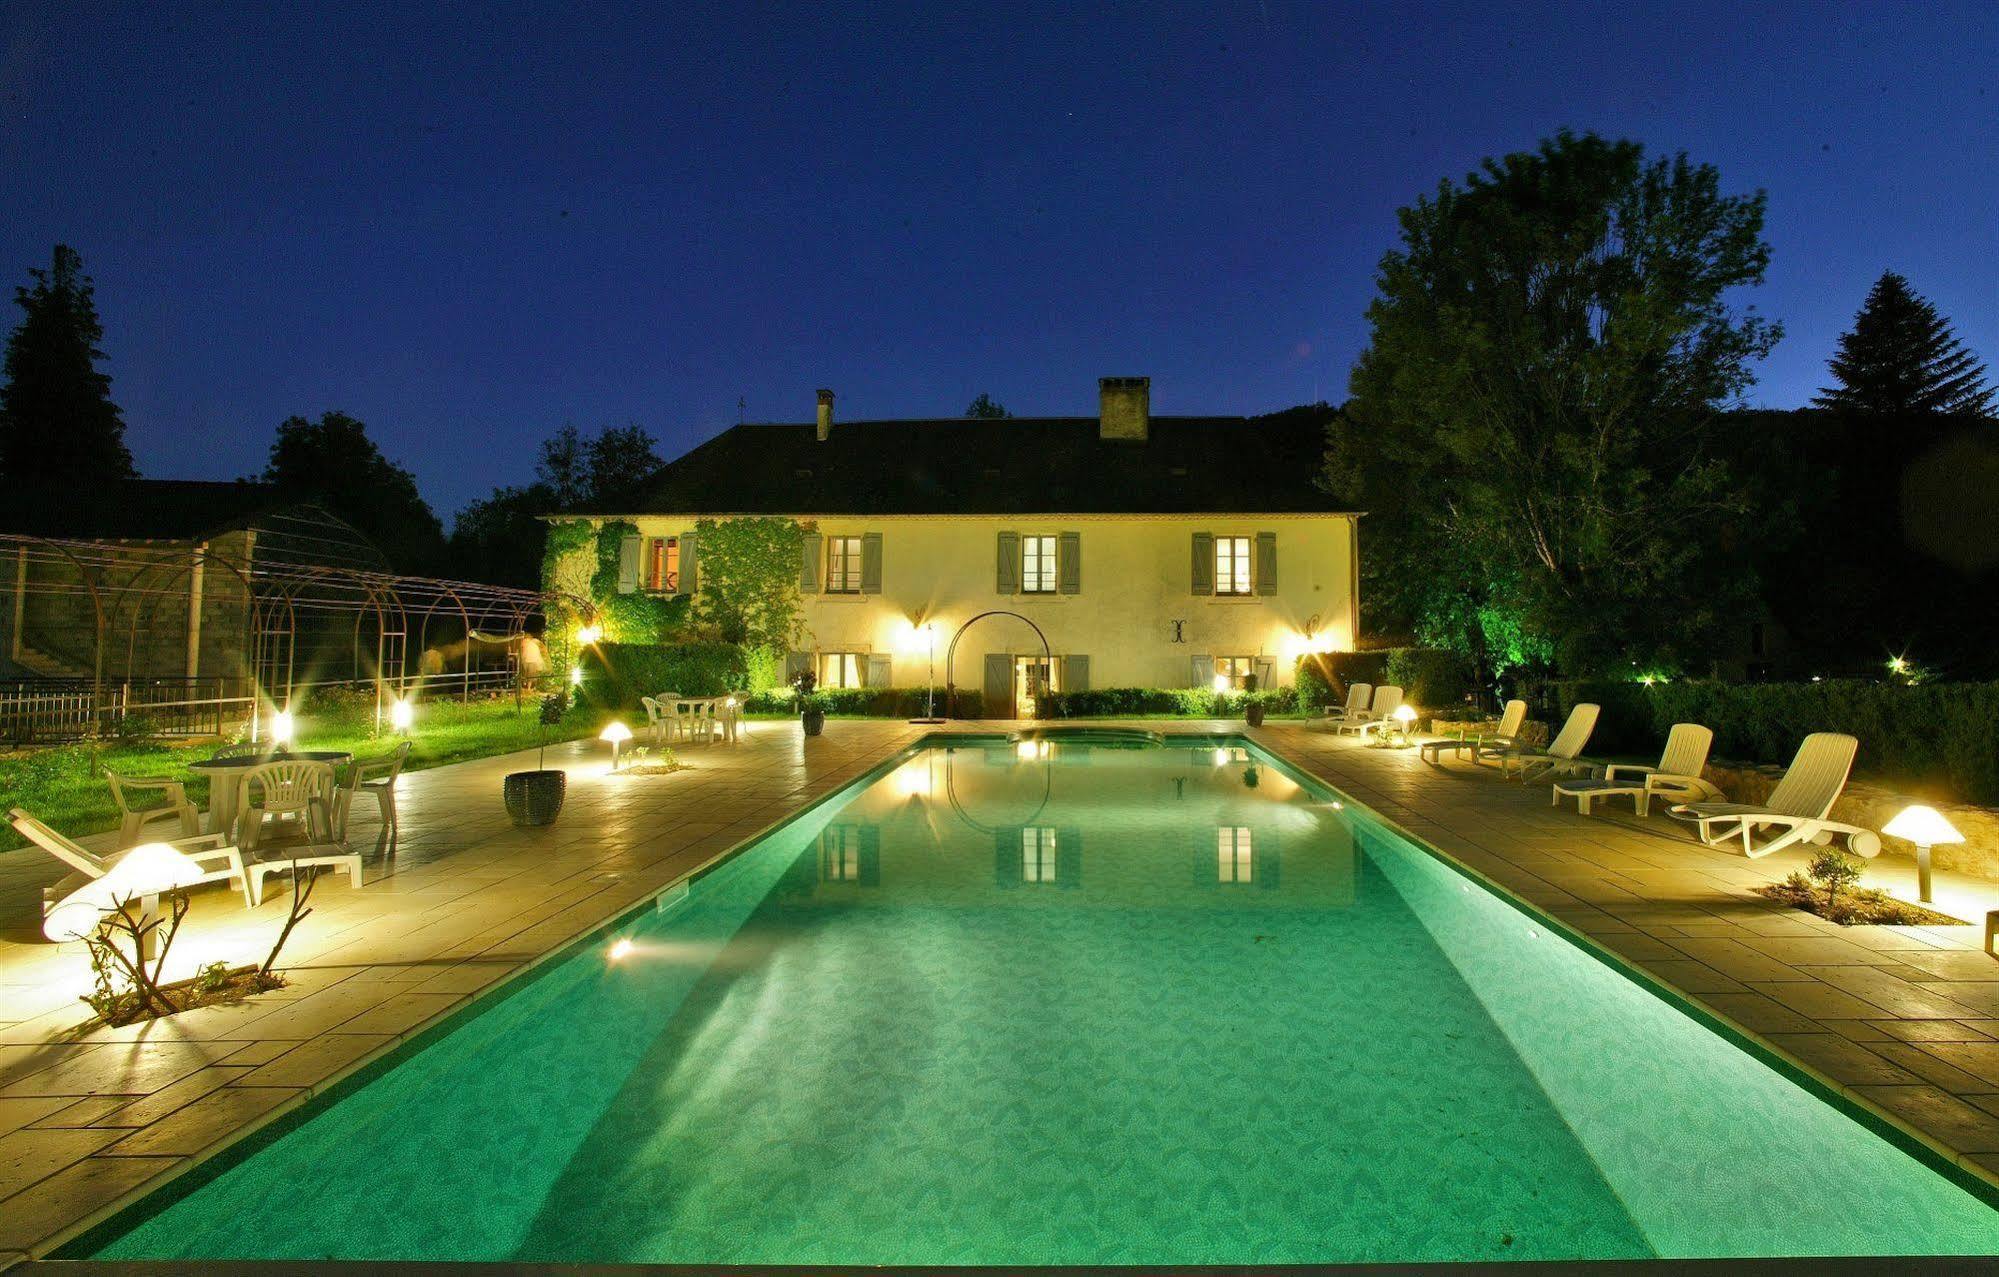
(1237, 668)
(846, 552)
(854, 662)
(1239, 553)
(658, 579)
(1046, 557)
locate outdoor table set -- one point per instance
(672, 717)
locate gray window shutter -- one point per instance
(1203, 672)
(1264, 668)
(1069, 563)
(689, 582)
(628, 564)
(1204, 563)
(880, 671)
(1266, 563)
(1075, 673)
(808, 568)
(871, 563)
(796, 663)
(1009, 563)
(999, 685)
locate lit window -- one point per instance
(842, 669)
(1235, 859)
(663, 565)
(1235, 669)
(1232, 565)
(840, 854)
(1037, 565)
(843, 565)
(1037, 854)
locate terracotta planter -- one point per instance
(535, 798)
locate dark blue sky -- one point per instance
(468, 225)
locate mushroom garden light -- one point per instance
(617, 734)
(1925, 827)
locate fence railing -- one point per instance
(38, 710)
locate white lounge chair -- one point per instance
(1358, 696)
(218, 863)
(1481, 744)
(1797, 807)
(1387, 698)
(1678, 775)
(1564, 754)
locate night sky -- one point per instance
(470, 225)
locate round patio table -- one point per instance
(225, 779)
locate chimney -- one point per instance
(1124, 408)
(825, 414)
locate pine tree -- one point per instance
(1903, 357)
(57, 421)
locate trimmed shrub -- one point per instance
(1431, 678)
(1312, 688)
(866, 702)
(1185, 702)
(1939, 738)
(615, 675)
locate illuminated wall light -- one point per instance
(1222, 682)
(589, 634)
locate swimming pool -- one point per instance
(1069, 1002)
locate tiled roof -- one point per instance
(1014, 465)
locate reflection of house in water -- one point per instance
(1090, 827)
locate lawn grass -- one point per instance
(65, 786)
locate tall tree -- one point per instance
(499, 538)
(1902, 357)
(1549, 351)
(985, 407)
(334, 463)
(621, 459)
(57, 422)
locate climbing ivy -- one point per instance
(747, 570)
(638, 617)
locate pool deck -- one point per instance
(1903, 1019)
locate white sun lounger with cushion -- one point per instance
(217, 862)
(1386, 698)
(1496, 741)
(1797, 808)
(1677, 777)
(1564, 754)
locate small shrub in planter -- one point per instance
(535, 798)
(1252, 702)
(811, 710)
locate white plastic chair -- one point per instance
(1387, 699)
(1798, 807)
(1563, 755)
(1678, 775)
(290, 789)
(218, 863)
(1358, 695)
(133, 820)
(1481, 744)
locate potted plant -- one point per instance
(535, 798)
(811, 709)
(1252, 701)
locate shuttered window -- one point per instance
(843, 669)
(1232, 565)
(1235, 669)
(843, 565)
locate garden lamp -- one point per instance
(1404, 715)
(401, 714)
(616, 733)
(282, 726)
(589, 634)
(144, 874)
(1925, 827)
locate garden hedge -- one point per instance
(615, 675)
(868, 702)
(1431, 678)
(1190, 702)
(1935, 739)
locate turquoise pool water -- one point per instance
(1092, 1005)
